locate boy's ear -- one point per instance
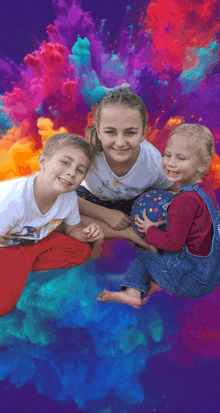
(41, 160)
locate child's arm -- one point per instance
(114, 218)
(181, 215)
(91, 233)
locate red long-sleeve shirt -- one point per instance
(189, 223)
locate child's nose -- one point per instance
(72, 171)
(171, 161)
(120, 139)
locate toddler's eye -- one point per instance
(167, 155)
(181, 159)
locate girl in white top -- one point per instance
(124, 165)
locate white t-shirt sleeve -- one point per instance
(9, 214)
(74, 217)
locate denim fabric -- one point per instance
(180, 273)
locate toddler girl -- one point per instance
(190, 261)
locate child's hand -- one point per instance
(92, 233)
(144, 224)
(117, 219)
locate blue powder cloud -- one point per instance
(73, 348)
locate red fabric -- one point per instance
(55, 251)
(189, 223)
(63, 252)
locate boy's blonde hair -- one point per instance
(59, 140)
(123, 97)
(200, 136)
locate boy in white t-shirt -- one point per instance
(33, 207)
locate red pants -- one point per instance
(55, 251)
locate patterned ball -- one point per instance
(155, 202)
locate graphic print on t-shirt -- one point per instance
(18, 235)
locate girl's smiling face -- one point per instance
(120, 132)
(181, 162)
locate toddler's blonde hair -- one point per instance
(200, 136)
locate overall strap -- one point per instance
(209, 203)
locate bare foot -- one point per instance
(153, 288)
(125, 297)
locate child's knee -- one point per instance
(7, 301)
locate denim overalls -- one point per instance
(180, 273)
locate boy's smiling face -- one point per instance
(63, 171)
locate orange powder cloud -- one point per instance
(20, 158)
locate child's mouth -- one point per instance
(63, 181)
(172, 173)
(121, 150)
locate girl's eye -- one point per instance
(181, 159)
(64, 162)
(167, 155)
(130, 133)
(110, 132)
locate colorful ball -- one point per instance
(155, 202)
